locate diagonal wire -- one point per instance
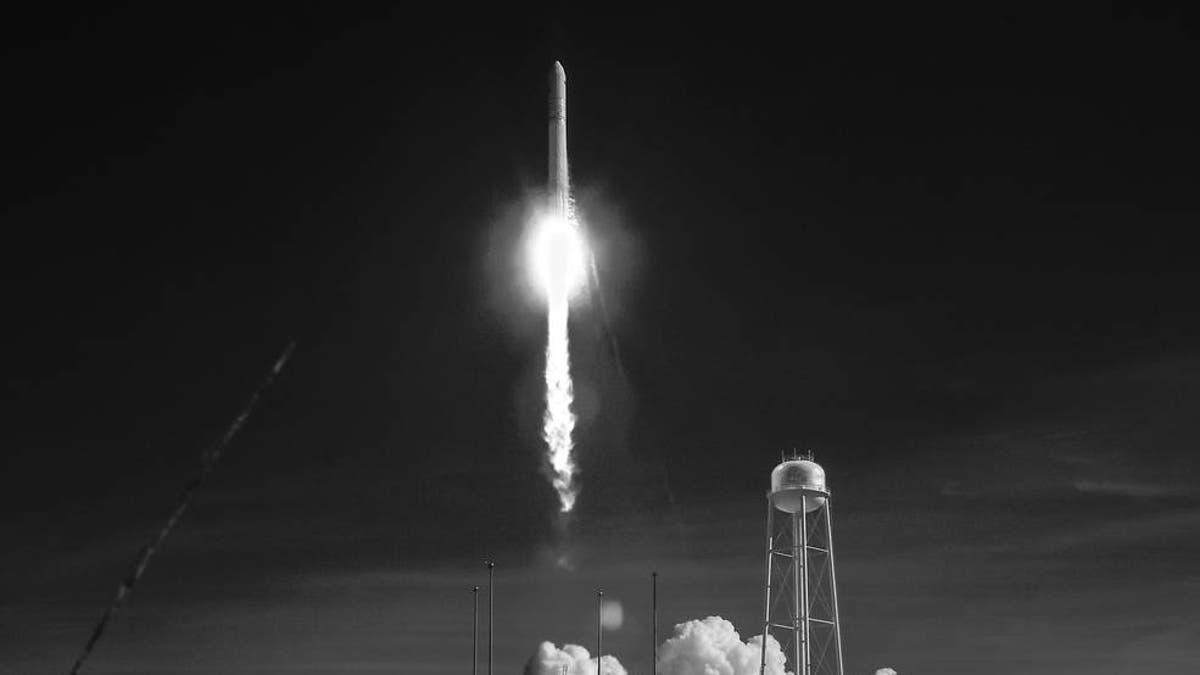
(208, 460)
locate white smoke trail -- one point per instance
(208, 462)
(559, 257)
(559, 421)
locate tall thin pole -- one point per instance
(654, 623)
(599, 630)
(475, 631)
(762, 664)
(491, 568)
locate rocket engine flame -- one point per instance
(559, 257)
(559, 262)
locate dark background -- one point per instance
(948, 252)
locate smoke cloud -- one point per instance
(713, 647)
(885, 671)
(699, 647)
(550, 660)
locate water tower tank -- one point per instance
(790, 479)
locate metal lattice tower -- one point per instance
(800, 602)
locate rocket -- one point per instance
(559, 179)
(560, 252)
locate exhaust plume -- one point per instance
(559, 420)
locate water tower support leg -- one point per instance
(837, 622)
(800, 565)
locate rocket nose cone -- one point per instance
(557, 71)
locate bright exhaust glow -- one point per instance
(559, 257)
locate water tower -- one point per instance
(800, 604)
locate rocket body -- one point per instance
(560, 259)
(560, 252)
(559, 178)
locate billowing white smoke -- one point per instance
(885, 671)
(713, 647)
(559, 421)
(699, 647)
(550, 660)
(558, 256)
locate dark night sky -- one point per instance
(947, 252)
